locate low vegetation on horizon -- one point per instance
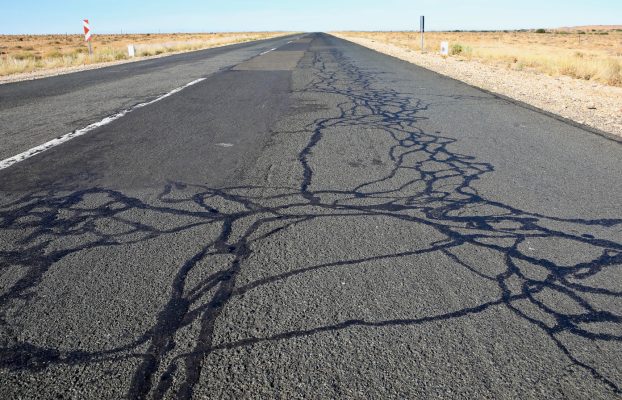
(27, 53)
(590, 53)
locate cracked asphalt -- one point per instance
(317, 221)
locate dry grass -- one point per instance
(28, 53)
(584, 54)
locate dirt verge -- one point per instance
(588, 103)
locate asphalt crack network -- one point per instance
(438, 194)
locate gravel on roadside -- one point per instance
(588, 103)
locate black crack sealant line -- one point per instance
(437, 193)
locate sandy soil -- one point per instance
(593, 104)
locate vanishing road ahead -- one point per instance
(313, 221)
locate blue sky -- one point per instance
(64, 16)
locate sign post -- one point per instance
(422, 27)
(87, 35)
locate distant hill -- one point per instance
(590, 27)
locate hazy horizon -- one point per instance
(191, 16)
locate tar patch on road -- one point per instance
(295, 46)
(273, 61)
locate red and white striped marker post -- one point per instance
(87, 35)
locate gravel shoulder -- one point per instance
(45, 73)
(595, 105)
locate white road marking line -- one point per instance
(224, 144)
(266, 52)
(79, 132)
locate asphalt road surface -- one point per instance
(318, 221)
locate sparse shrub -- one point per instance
(540, 30)
(581, 32)
(23, 56)
(612, 73)
(456, 49)
(54, 54)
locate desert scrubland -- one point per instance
(21, 54)
(572, 72)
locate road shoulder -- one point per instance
(588, 104)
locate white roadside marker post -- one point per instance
(131, 51)
(444, 49)
(87, 35)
